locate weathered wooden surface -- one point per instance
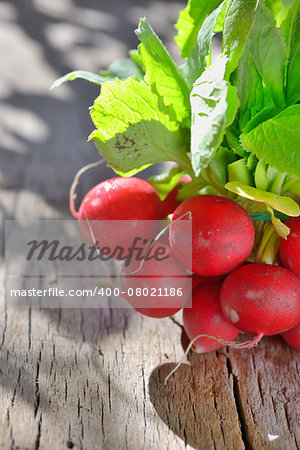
(235, 399)
(94, 379)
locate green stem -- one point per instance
(278, 183)
(271, 250)
(288, 185)
(267, 233)
(216, 184)
(258, 227)
(207, 176)
(292, 185)
(269, 245)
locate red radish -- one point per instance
(121, 199)
(292, 337)
(261, 299)
(222, 236)
(170, 202)
(290, 248)
(206, 317)
(160, 287)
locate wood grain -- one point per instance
(95, 379)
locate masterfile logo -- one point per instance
(65, 263)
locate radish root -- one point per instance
(187, 213)
(247, 344)
(112, 285)
(76, 182)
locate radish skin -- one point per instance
(222, 235)
(154, 277)
(203, 315)
(290, 248)
(292, 337)
(120, 199)
(261, 299)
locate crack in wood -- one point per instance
(221, 424)
(12, 439)
(15, 388)
(102, 420)
(29, 329)
(109, 392)
(37, 387)
(285, 406)
(239, 407)
(5, 324)
(38, 437)
(144, 405)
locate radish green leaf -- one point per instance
(291, 32)
(238, 21)
(281, 203)
(88, 76)
(214, 104)
(190, 21)
(123, 69)
(250, 89)
(201, 52)
(162, 72)
(135, 129)
(268, 53)
(277, 141)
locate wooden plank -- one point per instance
(95, 378)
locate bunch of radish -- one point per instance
(229, 123)
(230, 293)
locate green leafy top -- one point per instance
(268, 141)
(135, 128)
(291, 33)
(214, 103)
(162, 73)
(190, 21)
(238, 21)
(235, 119)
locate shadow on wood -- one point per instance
(240, 399)
(198, 403)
